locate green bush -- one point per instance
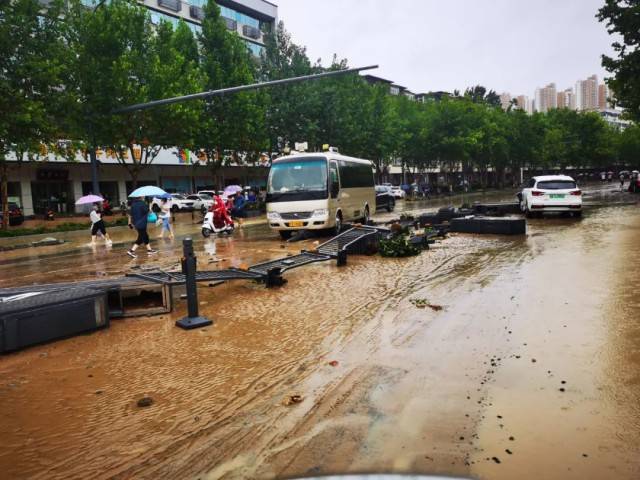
(397, 247)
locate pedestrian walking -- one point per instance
(237, 211)
(98, 226)
(138, 219)
(165, 217)
(621, 181)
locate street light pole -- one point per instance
(95, 181)
(241, 88)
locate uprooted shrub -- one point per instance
(397, 247)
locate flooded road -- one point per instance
(529, 370)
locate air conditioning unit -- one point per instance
(196, 12)
(251, 32)
(231, 24)
(174, 5)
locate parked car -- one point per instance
(398, 192)
(177, 202)
(550, 193)
(197, 201)
(385, 198)
(201, 200)
(15, 214)
(211, 193)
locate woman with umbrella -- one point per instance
(139, 215)
(97, 223)
(98, 226)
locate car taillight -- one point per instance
(537, 193)
(576, 192)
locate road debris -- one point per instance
(292, 400)
(145, 402)
(424, 303)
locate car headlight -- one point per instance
(321, 212)
(273, 216)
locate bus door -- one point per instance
(334, 187)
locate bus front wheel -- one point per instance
(338, 226)
(367, 216)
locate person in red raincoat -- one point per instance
(220, 213)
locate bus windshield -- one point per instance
(303, 176)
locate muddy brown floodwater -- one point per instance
(529, 370)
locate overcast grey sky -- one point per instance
(507, 45)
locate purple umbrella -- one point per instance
(89, 199)
(232, 190)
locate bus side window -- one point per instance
(334, 186)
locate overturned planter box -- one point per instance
(31, 318)
(489, 225)
(445, 214)
(502, 208)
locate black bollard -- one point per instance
(341, 260)
(193, 319)
(274, 278)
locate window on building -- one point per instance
(239, 17)
(157, 17)
(196, 29)
(254, 48)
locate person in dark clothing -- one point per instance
(237, 212)
(138, 220)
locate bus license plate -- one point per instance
(296, 223)
(556, 195)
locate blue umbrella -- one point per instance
(147, 191)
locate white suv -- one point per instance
(397, 192)
(177, 202)
(201, 201)
(550, 193)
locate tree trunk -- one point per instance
(134, 172)
(4, 179)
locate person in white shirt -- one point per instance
(98, 226)
(165, 217)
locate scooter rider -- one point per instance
(220, 211)
(217, 219)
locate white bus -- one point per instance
(319, 191)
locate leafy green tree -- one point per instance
(382, 128)
(231, 127)
(524, 135)
(293, 111)
(627, 146)
(622, 17)
(121, 58)
(479, 94)
(33, 60)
